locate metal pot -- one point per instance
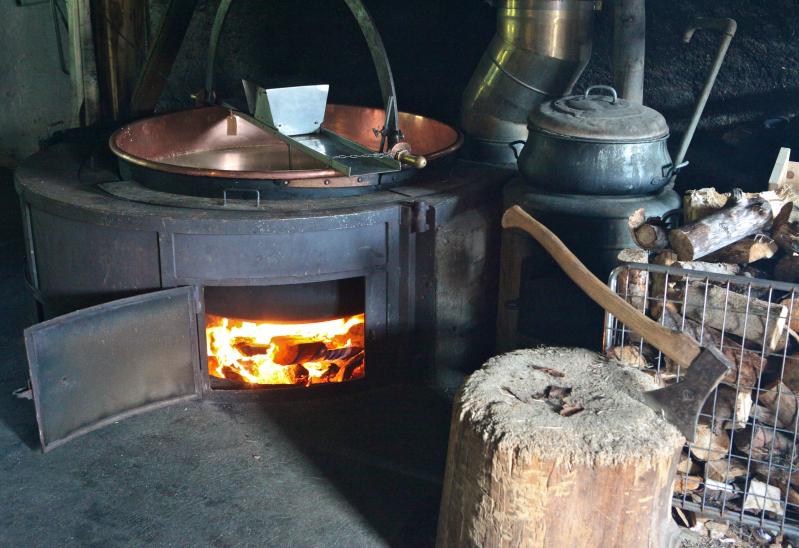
(592, 144)
(596, 144)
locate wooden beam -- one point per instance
(120, 30)
(170, 35)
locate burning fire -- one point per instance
(286, 353)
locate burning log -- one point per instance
(518, 470)
(352, 365)
(721, 229)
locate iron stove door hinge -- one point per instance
(419, 216)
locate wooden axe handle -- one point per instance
(679, 347)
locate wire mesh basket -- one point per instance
(743, 466)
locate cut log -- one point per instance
(649, 234)
(628, 355)
(721, 229)
(632, 283)
(709, 444)
(755, 320)
(748, 250)
(658, 292)
(786, 235)
(520, 474)
(730, 408)
(747, 363)
(787, 269)
(698, 204)
(780, 404)
(687, 466)
(724, 470)
(761, 496)
(790, 372)
(633, 255)
(730, 269)
(757, 441)
(686, 484)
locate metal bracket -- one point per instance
(242, 190)
(422, 216)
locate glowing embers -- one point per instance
(295, 353)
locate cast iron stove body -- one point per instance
(300, 246)
(423, 254)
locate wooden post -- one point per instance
(162, 54)
(120, 36)
(552, 447)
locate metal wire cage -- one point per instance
(743, 466)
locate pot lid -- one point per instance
(604, 118)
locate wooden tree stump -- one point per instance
(553, 447)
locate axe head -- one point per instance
(681, 403)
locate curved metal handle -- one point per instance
(611, 89)
(727, 27)
(391, 130)
(512, 146)
(723, 25)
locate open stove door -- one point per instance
(98, 365)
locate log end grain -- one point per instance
(506, 400)
(681, 244)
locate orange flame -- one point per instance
(286, 353)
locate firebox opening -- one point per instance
(287, 335)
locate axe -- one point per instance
(680, 403)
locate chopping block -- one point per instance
(556, 447)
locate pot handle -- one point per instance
(513, 145)
(606, 88)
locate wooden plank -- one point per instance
(120, 38)
(785, 172)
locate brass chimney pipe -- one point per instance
(538, 52)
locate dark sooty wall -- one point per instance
(434, 45)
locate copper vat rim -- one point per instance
(284, 175)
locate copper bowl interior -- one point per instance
(213, 141)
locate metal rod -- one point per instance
(727, 27)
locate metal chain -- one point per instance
(356, 156)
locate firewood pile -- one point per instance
(714, 278)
